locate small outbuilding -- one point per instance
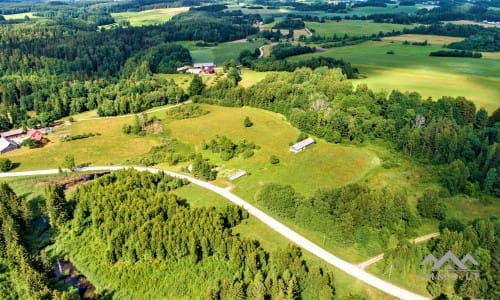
(301, 145)
(237, 175)
(7, 145)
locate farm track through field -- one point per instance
(288, 233)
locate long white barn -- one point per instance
(301, 145)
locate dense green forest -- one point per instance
(449, 132)
(478, 238)
(134, 221)
(64, 66)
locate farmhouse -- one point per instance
(301, 145)
(35, 135)
(207, 68)
(6, 145)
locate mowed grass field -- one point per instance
(321, 165)
(223, 51)
(20, 16)
(412, 69)
(112, 146)
(352, 28)
(149, 17)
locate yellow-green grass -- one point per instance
(223, 51)
(412, 69)
(250, 77)
(110, 147)
(432, 39)
(468, 22)
(149, 17)
(352, 28)
(20, 16)
(321, 165)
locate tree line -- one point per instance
(136, 218)
(323, 103)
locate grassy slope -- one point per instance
(148, 17)
(323, 165)
(223, 51)
(111, 147)
(352, 28)
(411, 68)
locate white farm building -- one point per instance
(301, 145)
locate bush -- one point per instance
(247, 122)
(5, 164)
(274, 160)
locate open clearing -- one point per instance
(321, 165)
(223, 51)
(149, 17)
(20, 16)
(352, 28)
(432, 39)
(412, 69)
(110, 147)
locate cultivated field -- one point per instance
(148, 17)
(352, 28)
(419, 38)
(411, 68)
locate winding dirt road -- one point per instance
(291, 235)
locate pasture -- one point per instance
(411, 68)
(148, 17)
(352, 28)
(321, 165)
(20, 16)
(223, 52)
(112, 146)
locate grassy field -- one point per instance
(223, 51)
(412, 69)
(322, 165)
(110, 147)
(148, 17)
(352, 28)
(20, 16)
(432, 39)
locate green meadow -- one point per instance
(20, 16)
(148, 17)
(222, 52)
(411, 68)
(352, 28)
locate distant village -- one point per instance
(13, 139)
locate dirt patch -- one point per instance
(67, 273)
(71, 182)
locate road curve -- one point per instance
(291, 235)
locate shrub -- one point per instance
(274, 160)
(5, 164)
(247, 122)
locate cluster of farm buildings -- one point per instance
(199, 68)
(12, 139)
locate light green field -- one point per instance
(352, 28)
(250, 77)
(149, 17)
(20, 16)
(111, 147)
(412, 69)
(321, 165)
(223, 51)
